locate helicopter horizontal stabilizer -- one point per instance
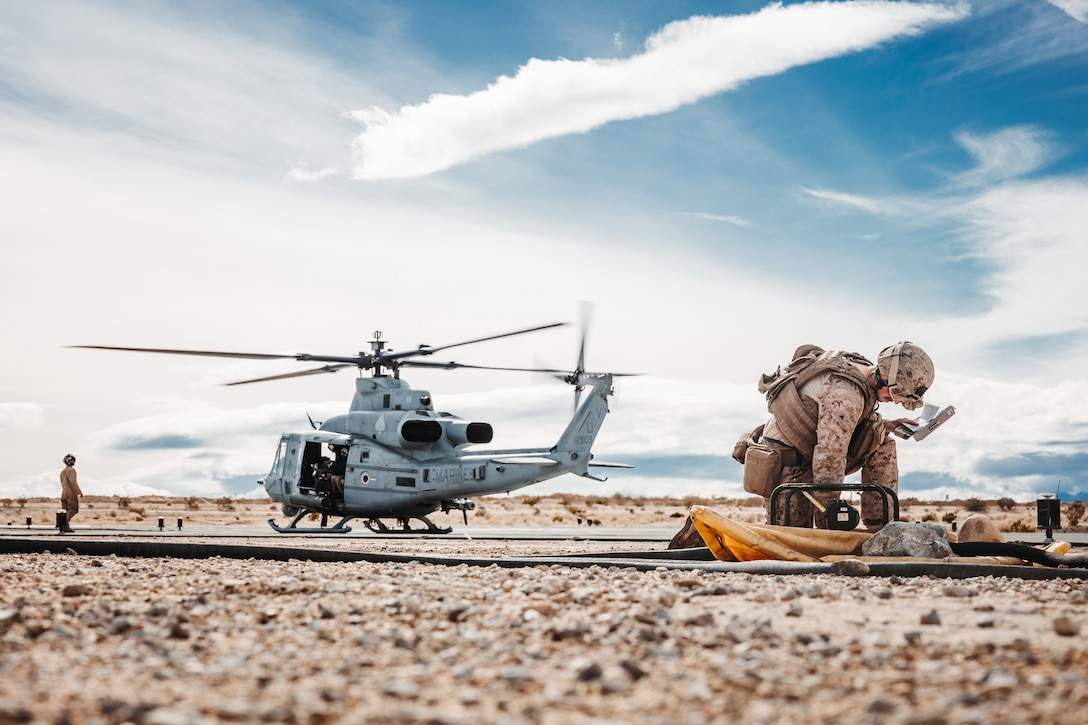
(606, 464)
(522, 461)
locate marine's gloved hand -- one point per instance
(890, 425)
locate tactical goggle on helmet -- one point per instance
(907, 371)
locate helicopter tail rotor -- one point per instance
(575, 378)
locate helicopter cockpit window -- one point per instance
(281, 458)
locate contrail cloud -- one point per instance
(684, 62)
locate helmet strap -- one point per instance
(894, 369)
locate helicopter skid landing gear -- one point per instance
(378, 527)
(293, 528)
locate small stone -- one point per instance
(1066, 626)
(850, 567)
(615, 679)
(75, 590)
(15, 714)
(589, 671)
(517, 675)
(633, 669)
(401, 689)
(957, 590)
(931, 617)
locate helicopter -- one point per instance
(393, 456)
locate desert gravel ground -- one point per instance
(102, 639)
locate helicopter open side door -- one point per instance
(303, 465)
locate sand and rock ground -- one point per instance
(105, 639)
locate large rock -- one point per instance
(900, 538)
(978, 527)
(687, 537)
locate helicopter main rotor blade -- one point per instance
(357, 360)
(428, 350)
(203, 353)
(301, 374)
(456, 365)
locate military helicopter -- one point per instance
(393, 456)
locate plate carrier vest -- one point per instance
(796, 415)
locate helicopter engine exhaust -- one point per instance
(463, 433)
(420, 431)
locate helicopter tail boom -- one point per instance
(577, 440)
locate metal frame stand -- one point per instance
(789, 490)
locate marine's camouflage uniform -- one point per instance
(69, 491)
(841, 409)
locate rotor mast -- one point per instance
(376, 347)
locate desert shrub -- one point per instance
(949, 517)
(192, 503)
(1074, 512)
(481, 511)
(530, 500)
(975, 505)
(676, 515)
(224, 503)
(558, 518)
(906, 503)
(137, 510)
(1006, 504)
(1019, 527)
(123, 502)
(930, 517)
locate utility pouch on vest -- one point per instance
(745, 441)
(867, 438)
(762, 469)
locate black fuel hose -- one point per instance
(1069, 566)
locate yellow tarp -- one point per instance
(731, 540)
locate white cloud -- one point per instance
(1004, 154)
(1033, 232)
(21, 415)
(727, 218)
(1028, 235)
(1076, 9)
(871, 205)
(193, 85)
(683, 62)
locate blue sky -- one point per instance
(723, 181)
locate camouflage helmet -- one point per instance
(69, 460)
(907, 371)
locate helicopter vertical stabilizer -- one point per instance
(577, 439)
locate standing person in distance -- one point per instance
(70, 493)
